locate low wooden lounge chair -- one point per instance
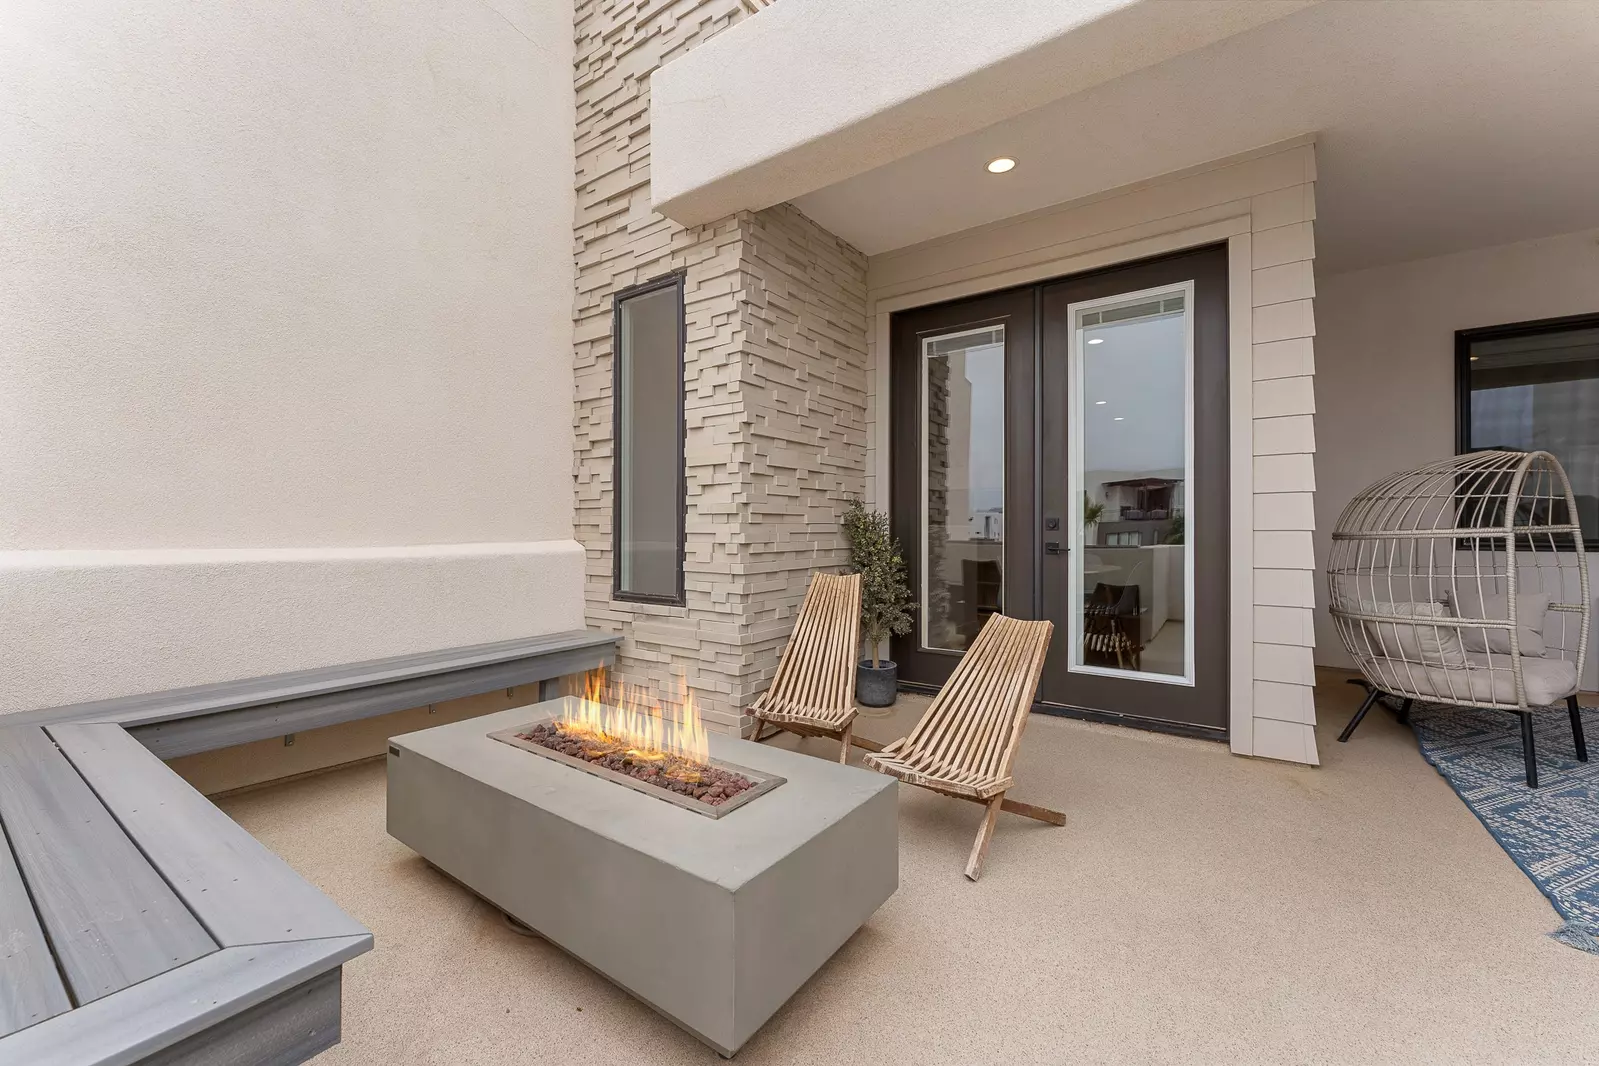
(965, 743)
(813, 692)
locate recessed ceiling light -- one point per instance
(1118, 418)
(1474, 359)
(1000, 165)
(1100, 403)
(1096, 340)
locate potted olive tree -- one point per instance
(1092, 513)
(885, 599)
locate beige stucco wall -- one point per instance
(285, 306)
(1386, 395)
(1263, 206)
(774, 392)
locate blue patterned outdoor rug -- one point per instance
(1551, 832)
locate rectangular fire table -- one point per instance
(713, 921)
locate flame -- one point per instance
(627, 715)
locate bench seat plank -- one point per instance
(111, 920)
(137, 1024)
(151, 707)
(30, 985)
(236, 886)
(196, 733)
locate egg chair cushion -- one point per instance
(1490, 680)
(1468, 601)
(1423, 645)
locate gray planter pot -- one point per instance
(876, 687)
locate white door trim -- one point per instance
(1241, 489)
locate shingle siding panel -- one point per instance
(1278, 702)
(1285, 321)
(1285, 473)
(1284, 244)
(1284, 436)
(1290, 358)
(1279, 397)
(1282, 207)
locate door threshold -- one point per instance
(1089, 714)
(1149, 725)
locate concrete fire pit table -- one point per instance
(713, 921)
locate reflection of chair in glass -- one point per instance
(980, 588)
(1111, 627)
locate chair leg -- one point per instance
(1371, 698)
(974, 865)
(1576, 728)
(866, 744)
(1528, 755)
(1404, 712)
(760, 726)
(843, 743)
(1028, 810)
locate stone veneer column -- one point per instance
(775, 377)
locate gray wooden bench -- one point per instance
(138, 923)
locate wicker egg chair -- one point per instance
(1464, 582)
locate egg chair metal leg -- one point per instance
(1371, 698)
(1576, 728)
(1528, 755)
(1404, 712)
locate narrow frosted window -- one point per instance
(649, 442)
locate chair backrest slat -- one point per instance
(1026, 687)
(990, 744)
(845, 643)
(929, 737)
(818, 664)
(987, 707)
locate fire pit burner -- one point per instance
(707, 786)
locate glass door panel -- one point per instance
(1133, 500)
(963, 485)
(1130, 409)
(961, 493)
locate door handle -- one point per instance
(1052, 547)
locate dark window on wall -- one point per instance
(647, 390)
(1534, 386)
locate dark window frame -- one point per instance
(679, 598)
(1465, 338)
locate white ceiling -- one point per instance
(1443, 125)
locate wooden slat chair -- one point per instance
(965, 743)
(1111, 626)
(813, 692)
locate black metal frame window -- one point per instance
(1534, 386)
(650, 493)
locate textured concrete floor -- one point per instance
(1197, 907)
